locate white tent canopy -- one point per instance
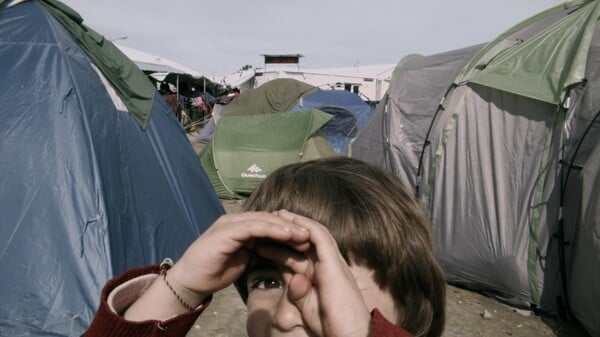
(154, 63)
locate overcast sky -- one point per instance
(219, 37)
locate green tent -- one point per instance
(245, 149)
(278, 95)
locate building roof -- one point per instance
(153, 63)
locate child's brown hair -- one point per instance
(376, 224)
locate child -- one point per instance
(331, 247)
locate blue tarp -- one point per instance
(85, 192)
(350, 113)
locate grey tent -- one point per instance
(500, 143)
(96, 175)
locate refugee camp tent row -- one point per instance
(283, 121)
(192, 92)
(507, 165)
(96, 175)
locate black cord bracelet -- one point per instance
(164, 266)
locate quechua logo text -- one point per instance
(254, 171)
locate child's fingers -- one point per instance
(245, 227)
(334, 286)
(331, 264)
(283, 256)
(325, 245)
(302, 294)
(299, 288)
(222, 252)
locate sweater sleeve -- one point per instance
(384, 328)
(107, 322)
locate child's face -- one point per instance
(270, 313)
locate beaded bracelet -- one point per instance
(164, 266)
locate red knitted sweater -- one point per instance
(108, 323)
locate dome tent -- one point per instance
(245, 149)
(280, 122)
(96, 175)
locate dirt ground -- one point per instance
(469, 314)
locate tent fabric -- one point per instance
(130, 83)
(350, 111)
(513, 36)
(207, 161)
(278, 95)
(536, 67)
(584, 275)
(581, 205)
(500, 226)
(421, 84)
(245, 149)
(85, 192)
(505, 175)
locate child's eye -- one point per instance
(266, 283)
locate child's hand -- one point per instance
(323, 287)
(220, 255)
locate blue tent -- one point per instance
(350, 113)
(96, 175)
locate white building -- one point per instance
(369, 82)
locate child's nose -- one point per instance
(287, 316)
